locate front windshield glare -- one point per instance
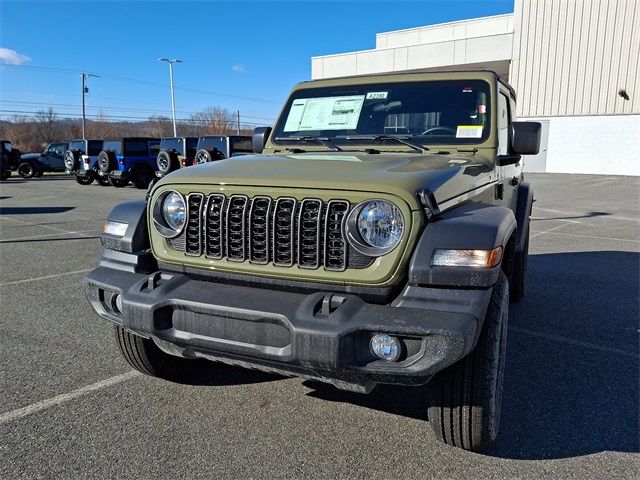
(433, 112)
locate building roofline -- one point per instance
(453, 22)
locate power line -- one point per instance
(71, 116)
(100, 107)
(142, 82)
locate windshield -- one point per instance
(433, 112)
(114, 146)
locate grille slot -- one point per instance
(236, 228)
(259, 220)
(193, 236)
(283, 231)
(214, 228)
(309, 217)
(335, 245)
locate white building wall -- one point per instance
(464, 44)
(601, 144)
(571, 57)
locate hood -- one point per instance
(401, 174)
(30, 156)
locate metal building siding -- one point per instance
(571, 57)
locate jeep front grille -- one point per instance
(282, 231)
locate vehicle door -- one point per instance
(509, 173)
(54, 158)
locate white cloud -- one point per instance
(12, 57)
(238, 68)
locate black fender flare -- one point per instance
(136, 236)
(523, 211)
(471, 226)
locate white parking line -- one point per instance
(33, 237)
(33, 279)
(595, 237)
(537, 234)
(571, 341)
(65, 397)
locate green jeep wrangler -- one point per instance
(376, 236)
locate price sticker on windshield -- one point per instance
(377, 95)
(469, 131)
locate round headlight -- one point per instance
(174, 211)
(169, 214)
(375, 227)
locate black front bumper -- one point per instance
(321, 335)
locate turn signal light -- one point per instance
(467, 258)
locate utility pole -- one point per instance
(85, 90)
(173, 101)
(238, 126)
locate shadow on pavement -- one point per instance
(572, 391)
(33, 210)
(206, 373)
(586, 215)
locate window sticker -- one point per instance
(328, 113)
(469, 131)
(377, 95)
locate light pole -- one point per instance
(173, 101)
(85, 90)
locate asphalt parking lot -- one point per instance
(71, 408)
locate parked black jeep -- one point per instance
(175, 153)
(50, 160)
(217, 147)
(9, 158)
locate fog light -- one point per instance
(386, 347)
(117, 303)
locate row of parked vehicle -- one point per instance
(121, 161)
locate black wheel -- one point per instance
(517, 285)
(102, 180)
(467, 396)
(71, 160)
(202, 156)
(38, 173)
(118, 182)
(141, 176)
(26, 170)
(144, 356)
(88, 180)
(167, 162)
(4, 175)
(106, 161)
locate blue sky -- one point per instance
(238, 55)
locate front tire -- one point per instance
(144, 356)
(118, 182)
(88, 180)
(26, 170)
(142, 176)
(467, 396)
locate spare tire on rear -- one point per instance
(106, 161)
(167, 162)
(71, 160)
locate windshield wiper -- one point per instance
(403, 140)
(321, 140)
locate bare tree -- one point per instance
(160, 126)
(215, 121)
(47, 125)
(101, 127)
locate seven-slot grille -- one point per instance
(283, 231)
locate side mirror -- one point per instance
(526, 138)
(259, 139)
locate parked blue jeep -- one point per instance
(81, 160)
(131, 159)
(51, 160)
